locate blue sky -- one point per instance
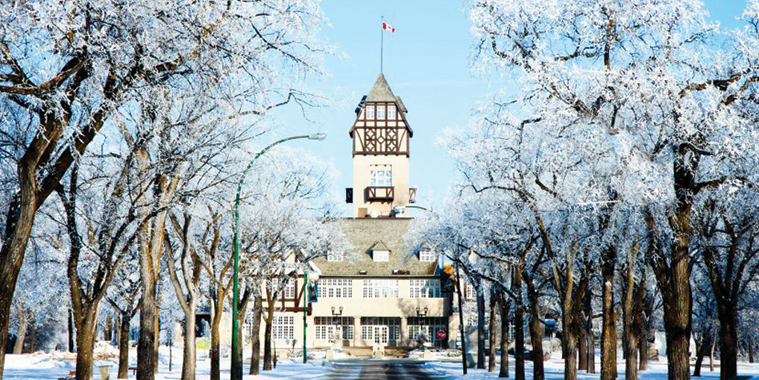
(426, 63)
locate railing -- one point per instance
(377, 193)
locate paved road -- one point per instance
(381, 370)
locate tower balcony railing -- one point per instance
(380, 193)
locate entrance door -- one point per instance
(380, 334)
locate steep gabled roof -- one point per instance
(381, 91)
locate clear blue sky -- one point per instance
(426, 63)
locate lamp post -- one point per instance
(236, 370)
(307, 276)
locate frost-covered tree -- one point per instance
(286, 221)
(655, 82)
(67, 68)
(728, 242)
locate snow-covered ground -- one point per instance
(555, 371)
(51, 366)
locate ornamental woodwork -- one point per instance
(386, 136)
(380, 193)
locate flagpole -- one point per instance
(382, 42)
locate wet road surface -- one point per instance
(368, 369)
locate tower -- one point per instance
(380, 154)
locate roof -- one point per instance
(381, 91)
(365, 234)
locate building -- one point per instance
(381, 294)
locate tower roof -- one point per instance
(381, 91)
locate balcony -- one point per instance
(380, 193)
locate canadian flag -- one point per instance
(388, 27)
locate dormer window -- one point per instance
(380, 112)
(391, 112)
(380, 255)
(370, 112)
(426, 255)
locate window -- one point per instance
(335, 256)
(426, 255)
(283, 327)
(425, 289)
(290, 290)
(335, 288)
(426, 328)
(471, 293)
(380, 329)
(329, 328)
(380, 255)
(381, 178)
(391, 112)
(380, 288)
(284, 290)
(370, 112)
(380, 112)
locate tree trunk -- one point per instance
(480, 325)
(518, 327)
(85, 344)
(750, 350)
(504, 372)
(492, 328)
(157, 323)
(148, 334)
(216, 344)
(728, 341)
(582, 352)
(18, 227)
(267, 338)
(124, 346)
(72, 348)
(188, 353)
(591, 352)
(674, 279)
(570, 359)
(18, 347)
(536, 333)
(711, 356)
(609, 330)
(631, 362)
(702, 347)
(643, 348)
(32, 337)
(255, 337)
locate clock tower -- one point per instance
(381, 137)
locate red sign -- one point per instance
(441, 334)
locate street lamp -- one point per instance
(236, 370)
(307, 277)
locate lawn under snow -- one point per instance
(554, 369)
(51, 366)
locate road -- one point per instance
(381, 370)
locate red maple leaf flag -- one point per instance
(386, 26)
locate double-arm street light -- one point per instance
(236, 370)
